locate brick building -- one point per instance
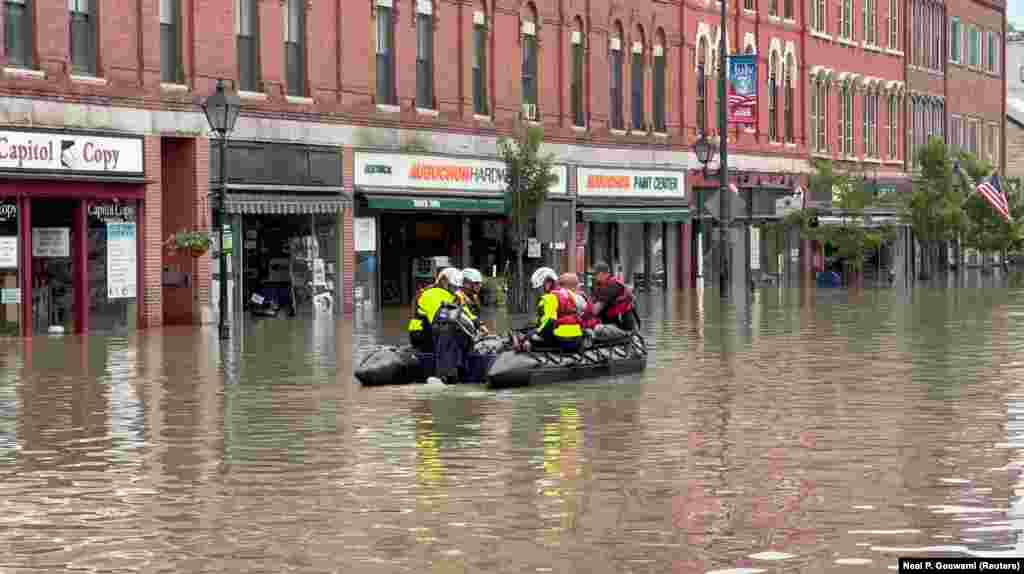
(368, 138)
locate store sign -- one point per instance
(9, 252)
(122, 261)
(628, 183)
(438, 172)
(51, 242)
(112, 212)
(64, 152)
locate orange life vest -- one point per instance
(567, 314)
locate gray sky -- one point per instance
(1015, 12)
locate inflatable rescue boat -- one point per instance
(607, 350)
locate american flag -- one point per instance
(991, 189)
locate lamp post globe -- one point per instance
(221, 110)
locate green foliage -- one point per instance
(850, 198)
(933, 208)
(984, 229)
(529, 173)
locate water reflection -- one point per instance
(795, 430)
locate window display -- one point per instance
(10, 288)
(113, 266)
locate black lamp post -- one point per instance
(703, 149)
(723, 164)
(221, 111)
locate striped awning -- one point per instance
(285, 204)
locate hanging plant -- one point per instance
(197, 243)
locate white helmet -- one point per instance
(453, 275)
(541, 275)
(472, 275)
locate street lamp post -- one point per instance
(723, 164)
(703, 149)
(221, 110)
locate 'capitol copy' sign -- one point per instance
(438, 172)
(63, 152)
(627, 183)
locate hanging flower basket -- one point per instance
(196, 243)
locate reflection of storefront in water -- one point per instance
(284, 205)
(631, 219)
(70, 218)
(415, 213)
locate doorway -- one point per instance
(53, 279)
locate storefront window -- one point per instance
(290, 262)
(10, 288)
(113, 266)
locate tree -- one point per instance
(984, 229)
(933, 208)
(851, 197)
(529, 176)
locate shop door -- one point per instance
(53, 291)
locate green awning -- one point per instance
(434, 203)
(638, 215)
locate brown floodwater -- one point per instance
(801, 431)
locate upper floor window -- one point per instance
(247, 28)
(385, 54)
(818, 14)
(425, 54)
(480, 63)
(820, 93)
(892, 127)
(787, 9)
(529, 68)
(660, 87)
(702, 87)
(974, 47)
(295, 47)
(773, 7)
(871, 22)
(577, 86)
(845, 132)
(748, 5)
(83, 36)
(954, 40)
(992, 54)
(788, 74)
(846, 19)
(615, 77)
(773, 98)
(18, 29)
(637, 81)
(893, 22)
(870, 116)
(170, 42)
(938, 30)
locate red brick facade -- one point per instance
(127, 95)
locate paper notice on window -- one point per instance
(10, 296)
(9, 252)
(122, 262)
(51, 242)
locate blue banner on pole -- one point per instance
(742, 94)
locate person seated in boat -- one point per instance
(469, 295)
(425, 307)
(571, 282)
(558, 324)
(455, 329)
(613, 301)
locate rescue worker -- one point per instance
(558, 324)
(571, 282)
(469, 294)
(426, 305)
(454, 330)
(613, 301)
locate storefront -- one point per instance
(631, 220)
(70, 217)
(285, 205)
(416, 213)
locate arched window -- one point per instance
(702, 85)
(773, 98)
(615, 77)
(636, 98)
(577, 85)
(528, 36)
(480, 106)
(660, 86)
(425, 54)
(788, 75)
(385, 54)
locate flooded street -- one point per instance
(804, 431)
